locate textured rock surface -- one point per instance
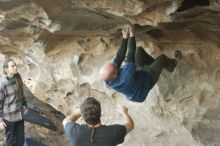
(60, 46)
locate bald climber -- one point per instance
(135, 83)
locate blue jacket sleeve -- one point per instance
(120, 56)
(131, 50)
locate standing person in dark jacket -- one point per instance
(135, 83)
(12, 104)
(93, 133)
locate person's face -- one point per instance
(12, 68)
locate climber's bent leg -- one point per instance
(143, 58)
(160, 63)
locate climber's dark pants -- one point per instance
(155, 66)
(14, 133)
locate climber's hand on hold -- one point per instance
(125, 32)
(131, 30)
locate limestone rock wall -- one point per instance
(60, 45)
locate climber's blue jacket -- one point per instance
(134, 84)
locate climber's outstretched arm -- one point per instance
(120, 56)
(71, 118)
(128, 121)
(132, 46)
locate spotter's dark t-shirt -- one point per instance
(80, 135)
